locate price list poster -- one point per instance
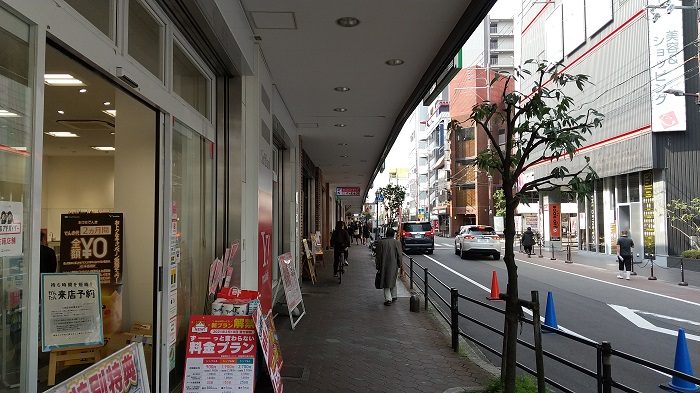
(220, 354)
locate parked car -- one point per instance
(417, 236)
(477, 240)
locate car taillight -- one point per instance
(468, 237)
(430, 233)
(496, 238)
(405, 234)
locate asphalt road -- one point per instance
(637, 317)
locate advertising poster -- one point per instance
(93, 243)
(290, 281)
(648, 214)
(270, 346)
(11, 229)
(71, 310)
(265, 249)
(220, 354)
(123, 372)
(555, 222)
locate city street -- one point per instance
(639, 317)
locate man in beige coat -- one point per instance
(388, 260)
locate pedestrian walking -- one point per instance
(365, 233)
(356, 234)
(624, 254)
(340, 240)
(528, 240)
(388, 261)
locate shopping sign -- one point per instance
(347, 191)
(220, 354)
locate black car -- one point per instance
(417, 236)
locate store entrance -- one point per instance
(99, 166)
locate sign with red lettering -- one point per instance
(554, 222)
(347, 191)
(220, 354)
(270, 346)
(123, 371)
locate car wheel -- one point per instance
(497, 256)
(462, 254)
(456, 250)
(430, 252)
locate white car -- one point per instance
(477, 240)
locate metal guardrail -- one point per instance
(604, 350)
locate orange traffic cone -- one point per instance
(494, 287)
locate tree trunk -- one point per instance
(512, 302)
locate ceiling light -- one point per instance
(394, 62)
(347, 21)
(61, 112)
(341, 125)
(340, 110)
(369, 136)
(111, 112)
(343, 156)
(342, 88)
(107, 103)
(342, 144)
(62, 80)
(6, 113)
(83, 90)
(103, 148)
(62, 134)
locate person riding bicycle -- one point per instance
(340, 240)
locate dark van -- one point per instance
(417, 236)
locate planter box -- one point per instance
(688, 263)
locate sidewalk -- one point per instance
(349, 341)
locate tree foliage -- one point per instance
(685, 218)
(394, 195)
(499, 203)
(542, 125)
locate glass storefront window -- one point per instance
(192, 209)
(98, 12)
(146, 37)
(16, 139)
(189, 82)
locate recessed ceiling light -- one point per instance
(62, 134)
(103, 148)
(394, 62)
(111, 133)
(340, 110)
(347, 21)
(343, 156)
(62, 80)
(6, 113)
(107, 103)
(61, 112)
(83, 90)
(342, 144)
(369, 136)
(341, 125)
(342, 88)
(111, 112)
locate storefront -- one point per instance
(107, 109)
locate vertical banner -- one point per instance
(11, 229)
(666, 68)
(220, 354)
(270, 346)
(290, 281)
(71, 310)
(265, 249)
(648, 214)
(554, 222)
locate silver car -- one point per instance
(477, 240)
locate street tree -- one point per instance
(540, 125)
(685, 218)
(394, 196)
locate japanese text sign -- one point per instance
(122, 372)
(93, 243)
(554, 222)
(11, 229)
(220, 354)
(71, 310)
(270, 346)
(347, 191)
(290, 281)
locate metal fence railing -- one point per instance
(449, 310)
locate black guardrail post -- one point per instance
(682, 283)
(607, 367)
(410, 278)
(537, 328)
(652, 276)
(454, 297)
(568, 254)
(426, 288)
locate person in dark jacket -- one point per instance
(388, 261)
(365, 233)
(624, 254)
(528, 240)
(340, 240)
(47, 256)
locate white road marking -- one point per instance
(634, 317)
(529, 312)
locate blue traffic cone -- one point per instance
(550, 317)
(682, 364)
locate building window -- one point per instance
(493, 44)
(100, 13)
(189, 82)
(493, 59)
(146, 38)
(493, 28)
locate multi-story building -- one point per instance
(646, 152)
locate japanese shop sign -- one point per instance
(554, 222)
(11, 229)
(291, 283)
(347, 191)
(93, 243)
(122, 372)
(71, 310)
(648, 214)
(270, 346)
(666, 69)
(220, 354)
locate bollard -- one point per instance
(414, 302)
(553, 258)
(540, 244)
(632, 272)
(568, 254)
(652, 277)
(682, 283)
